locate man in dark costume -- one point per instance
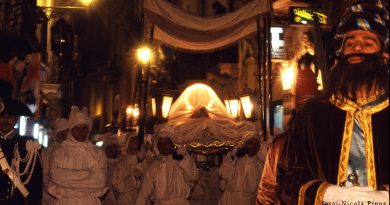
(21, 171)
(337, 149)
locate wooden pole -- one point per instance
(141, 131)
(269, 67)
(259, 64)
(264, 77)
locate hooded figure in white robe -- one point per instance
(61, 131)
(78, 168)
(171, 176)
(112, 150)
(129, 172)
(240, 173)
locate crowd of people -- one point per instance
(334, 151)
(73, 170)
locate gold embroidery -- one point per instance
(364, 118)
(345, 147)
(302, 191)
(321, 193)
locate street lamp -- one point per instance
(288, 81)
(161, 105)
(166, 106)
(288, 76)
(233, 107)
(154, 107)
(227, 105)
(144, 55)
(247, 106)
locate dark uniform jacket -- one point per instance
(315, 147)
(34, 186)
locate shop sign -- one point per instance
(300, 15)
(277, 42)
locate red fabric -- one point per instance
(306, 84)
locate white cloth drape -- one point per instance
(78, 173)
(182, 30)
(197, 111)
(240, 180)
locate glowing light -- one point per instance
(210, 105)
(166, 106)
(22, 126)
(234, 108)
(136, 112)
(36, 131)
(228, 107)
(45, 141)
(40, 137)
(195, 96)
(144, 55)
(99, 143)
(154, 107)
(288, 77)
(129, 110)
(319, 81)
(247, 106)
(86, 2)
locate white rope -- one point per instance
(31, 157)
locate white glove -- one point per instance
(234, 150)
(182, 150)
(337, 194)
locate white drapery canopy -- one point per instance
(181, 30)
(198, 116)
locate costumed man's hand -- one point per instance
(355, 194)
(182, 151)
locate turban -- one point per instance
(165, 131)
(78, 117)
(371, 16)
(61, 124)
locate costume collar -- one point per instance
(347, 104)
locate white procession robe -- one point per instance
(168, 181)
(78, 173)
(47, 199)
(240, 180)
(110, 198)
(124, 182)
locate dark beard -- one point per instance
(346, 77)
